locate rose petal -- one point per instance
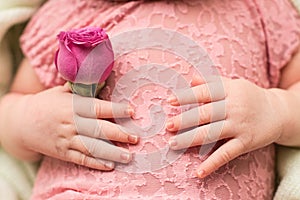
(55, 59)
(66, 63)
(97, 65)
(80, 52)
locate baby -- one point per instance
(250, 47)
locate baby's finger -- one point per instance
(102, 129)
(203, 93)
(200, 115)
(225, 153)
(66, 87)
(201, 135)
(199, 80)
(88, 161)
(100, 149)
(96, 108)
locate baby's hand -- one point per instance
(237, 110)
(69, 127)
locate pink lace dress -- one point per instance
(251, 39)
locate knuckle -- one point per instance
(218, 111)
(118, 135)
(77, 124)
(84, 160)
(209, 136)
(69, 157)
(226, 156)
(73, 158)
(243, 143)
(70, 130)
(80, 144)
(97, 130)
(61, 147)
(97, 109)
(204, 93)
(197, 136)
(92, 148)
(72, 142)
(204, 114)
(214, 163)
(225, 110)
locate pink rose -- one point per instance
(85, 55)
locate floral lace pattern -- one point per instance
(244, 39)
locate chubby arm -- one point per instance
(26, 80)
(12, 109)
(289, 96)
(36, 121)
(247, 116)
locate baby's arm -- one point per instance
(248, 116)
(37, 121)
(289, 96)
(12, 109)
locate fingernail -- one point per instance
(201, 173)
(133, 139)
(125, 156)
(172, 143)
(172, 100)
(130, 111)
(109, 165)
(170, 125)
(196, 80)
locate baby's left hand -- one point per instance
(248, 116)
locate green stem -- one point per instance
(91, 90)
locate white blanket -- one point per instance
(288, 169)
(11, 12)
(16, 178)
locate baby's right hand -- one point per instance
(69, 127)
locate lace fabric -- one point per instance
(243, 39)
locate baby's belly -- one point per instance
(145, 76)
(145, 79)
(145, 84)
(146, 88)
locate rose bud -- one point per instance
(85, 59)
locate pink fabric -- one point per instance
(251, 39)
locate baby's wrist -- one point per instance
(282, 102)
(15, 140)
